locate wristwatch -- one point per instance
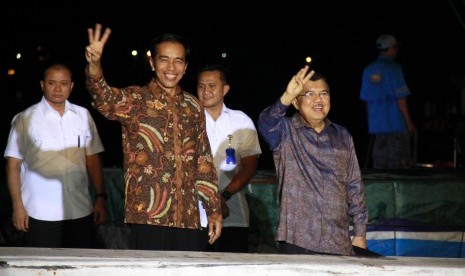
(226, 195)
(102, 195)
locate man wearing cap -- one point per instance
(385, 92)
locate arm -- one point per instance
(20, 217)
(402, 103)
(94, 169)
(356, 199)
(107, 100)
(271, 117)
(248, 169)
(207, 182)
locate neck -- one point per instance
(60, 108)
(317, 125)
(214, 111)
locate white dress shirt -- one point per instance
(54, 180)
(245, 142)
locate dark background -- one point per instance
(266, 43)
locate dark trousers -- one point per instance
(392, 151)
(152, 237)
(232, 239)
(287, 248)
(75, 233)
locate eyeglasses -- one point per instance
(312, 95)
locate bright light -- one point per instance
(18, 56)
(11, 72)
(224, 55)
(134, 53)
(308, 59)
(148, 53)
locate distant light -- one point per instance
(18, 56)
(308, 59)
(148, 53)
(134, 53)
(11, 72)
(224, 55)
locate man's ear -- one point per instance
(185, 68)
(226, 88)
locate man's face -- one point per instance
(169, 64)
(314, 103)
(211, 89)
(57, 86)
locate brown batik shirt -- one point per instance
(168, 164)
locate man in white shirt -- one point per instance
(235, 147)
(51, 153)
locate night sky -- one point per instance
(265, 45)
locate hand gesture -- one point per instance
(96, 43)
(296, 85)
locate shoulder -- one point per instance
(238, 114)
(78, 109)
(190, 98)
(341, 129)
(239, 117)
(30, 111)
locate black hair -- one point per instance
(224, 72)
(170, 37)
(56, 66)
(318, 76)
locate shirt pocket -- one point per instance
(81, 138)
(46, 141)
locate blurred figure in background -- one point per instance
(389, 123)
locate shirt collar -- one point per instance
(299, 122)
(224, 110)
(47, 109)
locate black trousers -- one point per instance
(153, 237)
(232, 239)
(75, 233)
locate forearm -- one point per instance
(248, 169)
(402, 103)
(14, 182)
(94, 69)
(94, 170)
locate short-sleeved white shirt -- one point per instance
(54, 180)
(245, 142)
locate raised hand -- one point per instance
(296, 85)
(97, 41)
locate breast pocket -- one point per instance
(81, 138)
(46, 141)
